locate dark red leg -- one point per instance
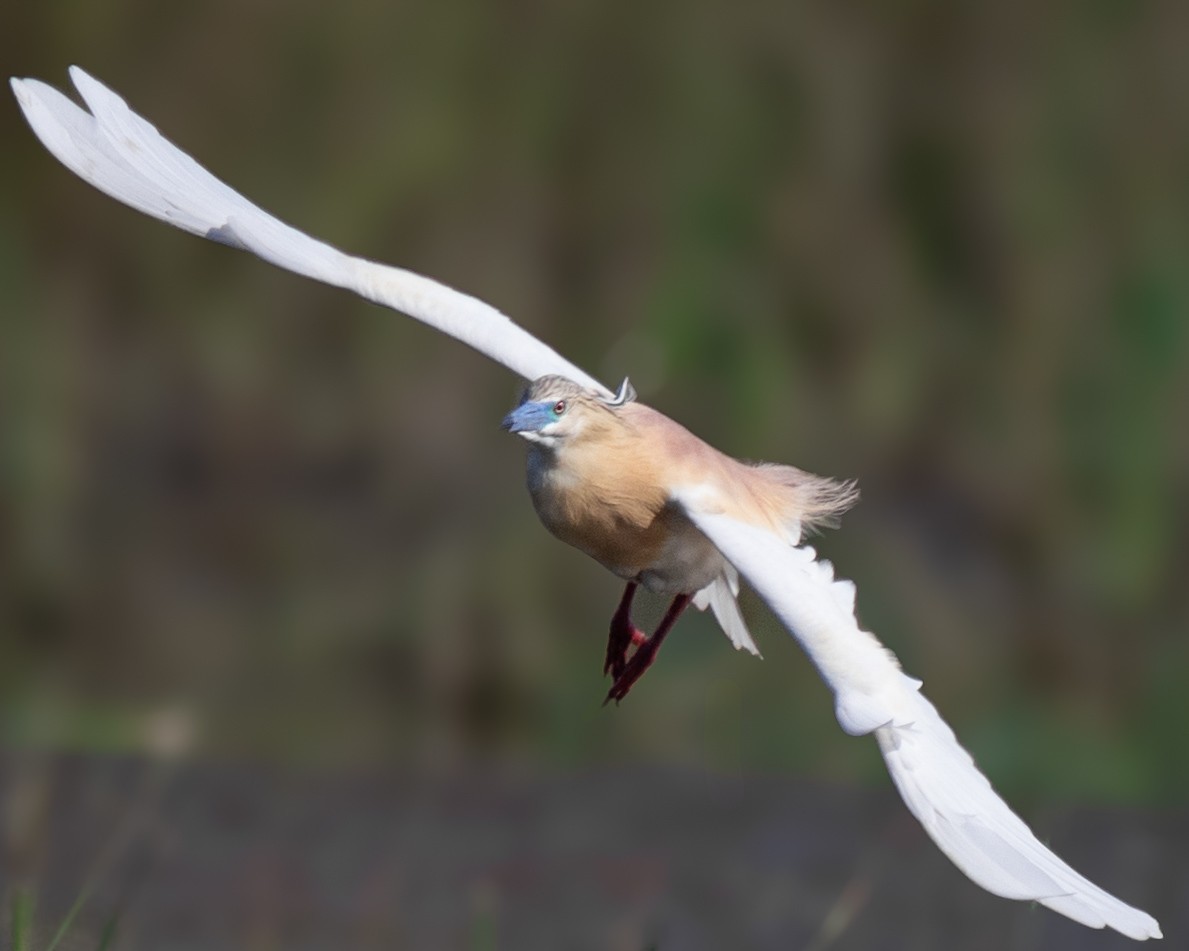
(622, 635)
(646, 652)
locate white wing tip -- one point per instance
(978, 831)
(26, 91)
(24, 87)
(89, 86)
(1117, 915)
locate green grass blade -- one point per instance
(22, 920)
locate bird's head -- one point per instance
(554, 410)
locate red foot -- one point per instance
(617, 649)
(623, 634)
(633, 670)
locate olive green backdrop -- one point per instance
(937, 246)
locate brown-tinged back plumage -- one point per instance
(763, 493)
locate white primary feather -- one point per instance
(121, 154)
(935, 775)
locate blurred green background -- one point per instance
(937, 246)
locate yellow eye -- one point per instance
(559, 407)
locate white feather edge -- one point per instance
(121, 154)
(937, 778)
(722, 597)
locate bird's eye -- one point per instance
(559, 407)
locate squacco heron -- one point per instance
(638, 493)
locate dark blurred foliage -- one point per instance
(938, 246)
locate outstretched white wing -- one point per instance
(935, 775)
(118, 152)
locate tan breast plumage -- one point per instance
(598, 502)
(608, 495)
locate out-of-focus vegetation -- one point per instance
(940, 247)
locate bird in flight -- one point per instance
(637, 492)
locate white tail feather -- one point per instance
(722, 597)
